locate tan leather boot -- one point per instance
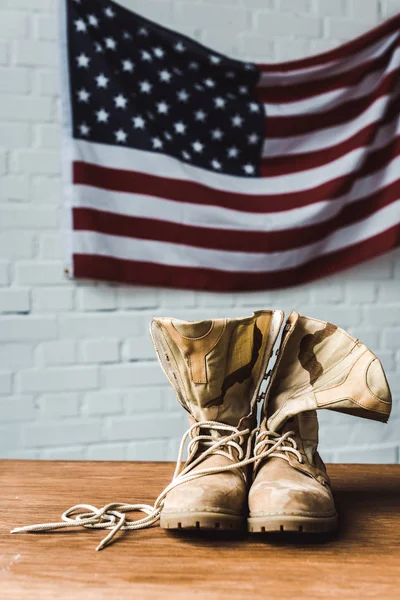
(319, 366)
(216, 368)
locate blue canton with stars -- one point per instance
(134, 83)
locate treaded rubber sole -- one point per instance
(202, 520)
(292, 523)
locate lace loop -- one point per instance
(113, 515)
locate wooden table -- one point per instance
(362, 561)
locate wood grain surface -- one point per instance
(361, 561)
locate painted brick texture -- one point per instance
(78, 376)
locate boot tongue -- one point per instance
(216, 366)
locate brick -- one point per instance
(327, 8)
(152, 450)
(17, 217)
(5, 382)
(137, 297)
(361, 292)
(14, 188)
(102, 403)
(16, 356)
(97, 298)
(197, 16)
(51, 246)
(38, 161)
(16, 244)
(386, 315)
(14, 80)
(27, 328)
(4, 272)
(68, 453)
(21, 4)
(104, 350)
(391, 338)
(13, 25)
(143, 427)
(17, 408)
(36, 54)
(25, 108)
(319, 46)
(161, 10)
(14, 300)
(385, 455)
(327, 294)
(46, 189)
(367, 335)
(280, 24)
(296, 6)
(107, 452)
(342, 316)
(40, 272)
(57, 434)
(390, 8)
(114, 376)
(54, 406)
(389, 291)
(58, 379)
(147, 400)
(45, 27)
(60, 352)
(3, 162)
(4, 53)
(48, 136)
(210, 299)
(344, 29)
(365, 10)
(49, 299)
(83, 326)
(48, 82)
(177, 298)
(288, 49)
(139, 347)
(10, 437)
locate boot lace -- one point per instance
(277, 444)
(113, 515)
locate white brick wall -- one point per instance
(78, 376)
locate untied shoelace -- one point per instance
(106, 517)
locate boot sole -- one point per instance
(299, 524)
(202, 520)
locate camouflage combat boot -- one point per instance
(319, 366)
(216, 368)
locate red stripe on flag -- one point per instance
(88, 219)
(146, 273)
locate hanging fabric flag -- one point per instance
(189, 169)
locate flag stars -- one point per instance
(120, 101)
(127, 65)
(157, 143)
(83, 95)
(233, 152)
(186, 155)
(80, 25)
(210, 83)
(183, 96)
(179, 47)
(102, 81)
(253, 138)
(162, 108)
(83, 61)
(109, 12)
(180, 127)
(146, 56)
(194, 65)
(200, 115)
(216, 164)
(145, 87)
(237, 121)
(110, 43)
(93, 20)
(139, 122)
(165, 76)
(219, 102)
(248, 169)
(99, 48)
(142, 31)
(168, 136)
(198, 146)
(254, 107)
(102, 116)
(158, 52)
(243, 89)
(217, 134)
(215, 60)
(84, 129)
(120, 136)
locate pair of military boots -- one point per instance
(238, 475)
(269, 478)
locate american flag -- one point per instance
(189, 169)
